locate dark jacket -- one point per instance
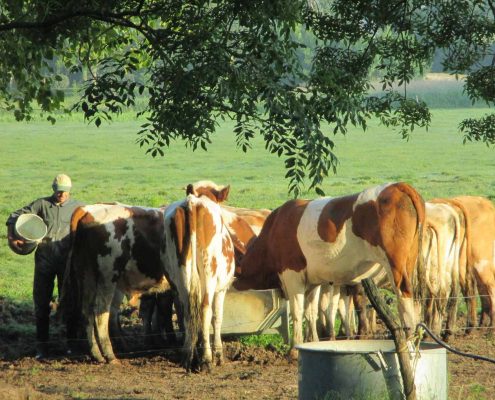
(55, 244)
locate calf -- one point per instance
(115, 249)
(338, 240)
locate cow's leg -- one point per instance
(218, 301)
(206, 310)
(311, 313)
(351, 316)
(346, 309)
(146, 309)
(103, 336)
(92, 342)
(104, 296)
(165, 301)
(359, 300)
(405, 304)
(486, 289)
(436, 320)
(323, 324)
(180, 317)
(490, 305)
(333, 307)
(451, 315)
(428, 310)
(89, 313)
(295, 287)
(114, 324)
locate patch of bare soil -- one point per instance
(248, 372)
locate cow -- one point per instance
(341, 240)
(243, 224)
(476, 259)
(479, 214)
(198, 255)
(115, 250)
(441, 251)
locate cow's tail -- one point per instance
(456, 249)
(71, 296)
(470, 289)
(418, 277)
(193, 308)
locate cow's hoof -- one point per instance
(219, 359)
(114, 361)
(99, 360)
(206, 367)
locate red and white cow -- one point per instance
(339, 240)
(198, 255)
(115, 249)
(243, 224)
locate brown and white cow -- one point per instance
(115, 249)
(198, 255)
(243, 224)
(339, 240)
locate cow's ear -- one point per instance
(223, 194)
(189, 189)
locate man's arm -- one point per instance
(14, 241)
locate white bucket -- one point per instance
(31, 229)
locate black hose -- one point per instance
(451, 349)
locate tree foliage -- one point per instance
(281, 69)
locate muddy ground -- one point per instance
(248, 373)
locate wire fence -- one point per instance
(140, 348)
(138, 339)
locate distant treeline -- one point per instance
(438, 93)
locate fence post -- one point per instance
(398, 334)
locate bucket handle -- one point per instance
(377, 366)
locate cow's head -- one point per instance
(214, 192)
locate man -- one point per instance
(51, 253)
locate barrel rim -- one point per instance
(388, 346)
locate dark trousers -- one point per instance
(45, 272)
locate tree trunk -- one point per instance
(398, 334)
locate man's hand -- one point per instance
(16, 243)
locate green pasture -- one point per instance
(107, 165)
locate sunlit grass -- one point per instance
(106, 165)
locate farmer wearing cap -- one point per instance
(51, 253)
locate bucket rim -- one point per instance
(30, 216)
(374, 346)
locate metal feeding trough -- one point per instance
(368, 370)
(255, 312)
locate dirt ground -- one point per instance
(248, 373)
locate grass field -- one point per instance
(107, 165)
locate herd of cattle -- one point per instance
(316, 251)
